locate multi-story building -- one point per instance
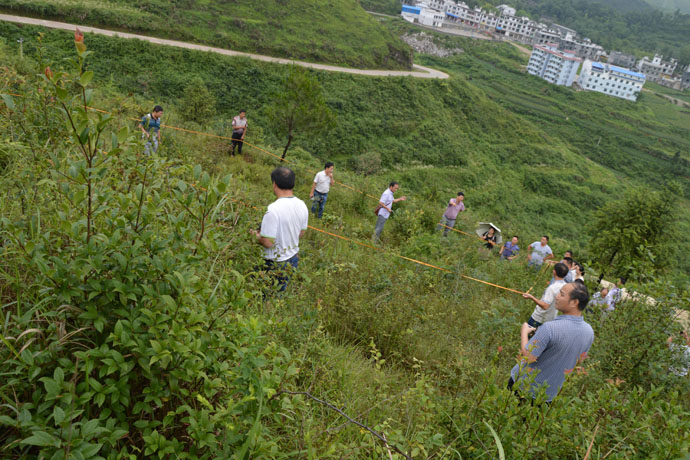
(656, 69)
(422, 14)
(611, 80)
(622, 60)
(521, 29)
(552, 65)
(545, 36)
(685, 80)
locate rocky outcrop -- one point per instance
(423, 43)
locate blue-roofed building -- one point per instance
(611, 80)
(422, 14)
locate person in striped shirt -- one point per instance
(557, 346)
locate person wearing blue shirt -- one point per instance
(151, 129)
(557, 346)
(510, 250)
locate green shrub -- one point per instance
(121, 343)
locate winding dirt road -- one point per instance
(419, 72)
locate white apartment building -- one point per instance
(423, 14)
(656, 69)
(611, 80)
(554, 66)
(506, 10)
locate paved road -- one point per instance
(419, 72)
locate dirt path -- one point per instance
(419, 72)
(521, 48)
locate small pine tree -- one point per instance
(198, 104)
(299, 107)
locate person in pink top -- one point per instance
(455, 207)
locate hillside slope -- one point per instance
(146, 327)
(523, 159)
(332, 31)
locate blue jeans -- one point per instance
(534, 264)
(151, 142)
(282, 268)
(380, 222)
(320, 200)
(445, 223)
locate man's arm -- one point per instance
(313, 187)
(402, 198)
(500, 251)
(383, 205)
(550, 256)
(244, 131)
(263, 240)
(301, 233)
(541, 303)
(524, 340)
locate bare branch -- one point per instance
(380, 437)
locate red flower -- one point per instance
(500, 348)
(49, 73)
(78, 35)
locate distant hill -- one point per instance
(332, 31)
(671, 5)
(628, 5)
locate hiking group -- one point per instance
(553, 340)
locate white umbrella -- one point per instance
(484, 227)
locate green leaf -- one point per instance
(499, 445)
(90, 450)
(9, 102)
(41, 438)
(197, 172)
(122, 134)
(58, 415)
(62, 94)
(86, 78)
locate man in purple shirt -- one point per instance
(455, 207)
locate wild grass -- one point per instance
(332, 31)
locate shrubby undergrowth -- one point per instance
(134, 325)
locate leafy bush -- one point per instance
(120, 344)
(198, 104)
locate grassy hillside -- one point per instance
(141, 330)
(333, 31)
(538, 163)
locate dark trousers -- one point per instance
(510, 385)
(282, 270)
(237, 142)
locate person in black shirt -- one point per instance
(490, 237)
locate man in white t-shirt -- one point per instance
(540, 252)
(284, 223)
(320, 188)
(386, 207)
(546, 306)
(239, 130)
